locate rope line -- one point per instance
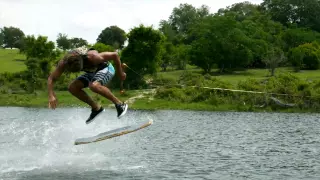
(224, 89)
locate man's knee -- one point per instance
(75, 86)
(95, 86)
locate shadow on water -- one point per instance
(70, 174)
(98, 174)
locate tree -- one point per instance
(166, 28)
(293, 37)
(39, 47)
(143, 52)
(303, 13)
(180, 56)
(185, 15)
(1, 39)
(258, 26)
(41, 50)
(241, 11)
(100, 47)
(167, 55)
(273, 58)
(11, 36)
(219, 40)
(305, 56)
(78, 42)
(32, 75)
(40, 55)
(113, 36)
(63, 42)
(182, 18)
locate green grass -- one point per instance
(237, 76)
(11, 60)
(65, 99)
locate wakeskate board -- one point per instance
(113, 133)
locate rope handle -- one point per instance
(124, 67)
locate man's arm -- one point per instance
(54, 76)
(107, 56)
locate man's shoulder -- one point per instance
(80, 50)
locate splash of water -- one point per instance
(37, 139)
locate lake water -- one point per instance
(38, 144)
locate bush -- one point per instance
(285, 83)
(305, 56)
(300, 92)
(191, 79)
(251, 85)
(100, 47)
(172, 94)
(160, 80)
(192, 89)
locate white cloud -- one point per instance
(82, 18)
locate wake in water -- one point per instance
(44, 139)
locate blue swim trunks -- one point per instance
(103, 76)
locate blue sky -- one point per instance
(86, 19)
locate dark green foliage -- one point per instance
(219, 40)
(303, 13)
(305, 56)
(11, 37)
(143, 52)
(273, 57)
(293, 37)
(39, 47)
(63, 42)
(285, 87)
(100, 47)
(112, 36)
(78, 42)
(1, 39)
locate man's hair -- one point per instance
(73, 62)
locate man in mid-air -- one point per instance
(98, 73)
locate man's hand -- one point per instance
(123, 76)
(52, 102)
(124, 66)
(53, 76)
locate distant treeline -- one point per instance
(244, 35)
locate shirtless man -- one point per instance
(98, 72)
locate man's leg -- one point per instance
(100, 79)
(98, 88)
(76, 89)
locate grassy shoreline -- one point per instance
(137, 100)
(305, 82)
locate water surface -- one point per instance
(38, 144)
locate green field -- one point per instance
(11, 60)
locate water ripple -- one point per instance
(38, 144)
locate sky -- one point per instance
(86, 19)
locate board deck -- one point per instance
(113, 133)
